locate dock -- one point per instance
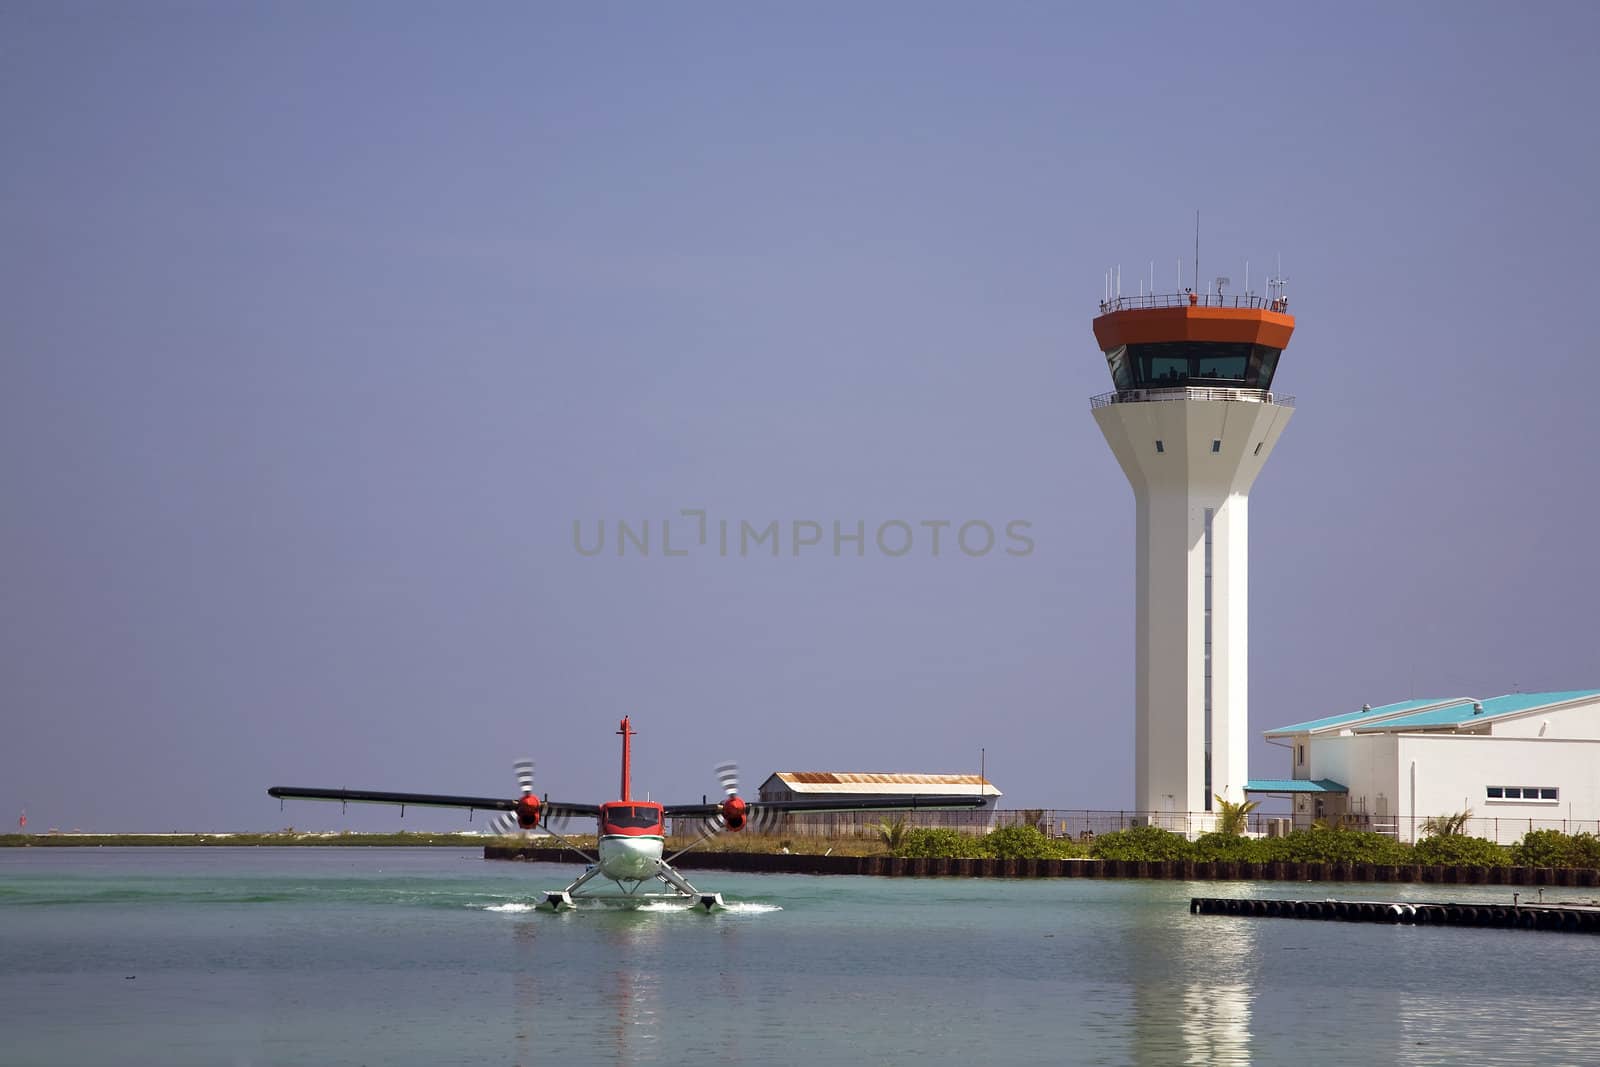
(1566, 918)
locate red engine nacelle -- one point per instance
(528, 812)
(733, 813)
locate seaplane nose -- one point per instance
(629, 857)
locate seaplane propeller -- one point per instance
(526, 814)
(734, 813)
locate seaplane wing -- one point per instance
(556, 811)
(551, 809)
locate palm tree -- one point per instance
(1232, 818)
(892, 833)
(1447, 825)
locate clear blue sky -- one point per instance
(324, 322)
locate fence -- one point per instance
(1499, 829)
(1087, 823)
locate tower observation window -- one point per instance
(1171, 364)
(1121, 372)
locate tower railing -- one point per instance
(1192, 392)
(1244, 301)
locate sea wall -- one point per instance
(1186, 870)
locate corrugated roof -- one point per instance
(1371, 715)
(1464, 713)
(885, 783)
(1293, 785)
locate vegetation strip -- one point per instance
(1185, 870)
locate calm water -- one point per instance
(400, 956)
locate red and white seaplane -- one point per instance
(630, 839)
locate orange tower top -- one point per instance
(1191, 339)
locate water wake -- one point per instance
(750, 907)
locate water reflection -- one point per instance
(525, 990)
(623, 1005)
(633, 939)
(1199, 1009)
(1217, 1026)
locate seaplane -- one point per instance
(630, 840)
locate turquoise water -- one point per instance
(424, 956)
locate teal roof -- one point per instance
(1348, 717)
(1456, 714)
(1293, 785)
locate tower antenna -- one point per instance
(1197, 250)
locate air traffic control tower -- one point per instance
(1192, 420)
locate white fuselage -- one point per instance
(629, 858)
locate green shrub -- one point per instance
(1142, 844)
(1323, 845)
(1010, 843)
(1552, 848)
(1457, 850)
(939, 844)
(1232, 848)
(1026, 843)
(1583, 850)
(1541, 848)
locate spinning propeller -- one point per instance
(526, 814)
(734, 813)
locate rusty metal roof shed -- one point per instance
(865, 783)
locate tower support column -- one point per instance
(1191, 463)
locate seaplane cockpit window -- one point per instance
(629, 818)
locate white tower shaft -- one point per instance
(1191, 463)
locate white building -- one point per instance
(1518, 762)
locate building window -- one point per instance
(1159, 446)
(1300, 755)
(1541, 793)
(1216, 446)
(1172, 364)
(1258, 447)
